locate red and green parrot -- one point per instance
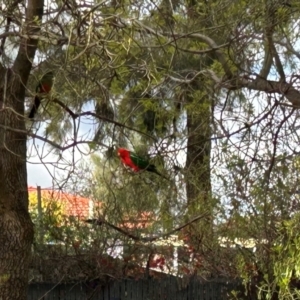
(136, 163)
(44, 87)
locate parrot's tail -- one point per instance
(35, 107)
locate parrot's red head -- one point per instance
(122, 152)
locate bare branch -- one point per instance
(210, 73)
(203, 51)
(8, 21)
(275, 146)
(89, 113)
(53, 144)
(146, 239)
(269, 47)
(278, 63)
(289, 47)
(270, 86)
(267, 62)
(274, 53)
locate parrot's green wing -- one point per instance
(44, 87)
(140, 162)
(46, 82)
(144, 164)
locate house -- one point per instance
(161, 255)
(72, 205)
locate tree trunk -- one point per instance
(198, 152)
(198, 184)
(16, 228)
(199, 118)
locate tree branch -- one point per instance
(231, 82)
(101, 221)
(289, 47)
(278, 63)
(210, 73)
(89, 113)
(267, 62)
(269, 47)
(204, 38)
(203, 51)
(268, 50)
(26, 53)
(273, 53)
(53, 144)
(270, 86)
(9, 15)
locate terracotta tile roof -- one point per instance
(144, 220)
(74, 205)
(82, 207)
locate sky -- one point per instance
(37, 175)
(42, 172)
(44, 166)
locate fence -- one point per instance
(151, 289)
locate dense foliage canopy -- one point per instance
(207, 90)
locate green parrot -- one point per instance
(137, 163)
(44, 87)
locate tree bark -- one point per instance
(198, 153)
(16, 228)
